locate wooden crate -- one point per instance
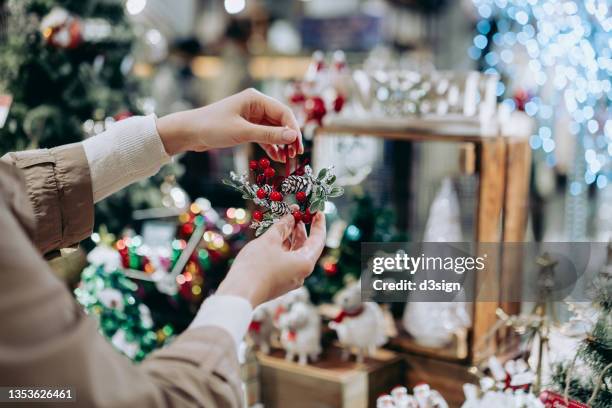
(501, 158)
(329, 383)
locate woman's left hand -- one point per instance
(248, 116)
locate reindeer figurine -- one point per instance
(360, 325)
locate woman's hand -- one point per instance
(248, 116)
(276, 262)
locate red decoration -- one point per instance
(552, 399)
(344, 313)
(521, 97)
(300, 196)
(264, 163)
(330, 268)
(257, 215)
(315, 109)
(255, 326)
(269, 172)
(261, 179)
(276, 196)
(339, 103)
(261, 194)
(122, 115)
(253, 165)
(297, 216)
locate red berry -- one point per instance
(264, 163)
(260, 179)
(297, 216)
(257, 215)
(300, 196)
(276, 196)
(261, 194)
(269, 172)
(306, 217)
(253, 165)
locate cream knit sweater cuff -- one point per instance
(130, 150)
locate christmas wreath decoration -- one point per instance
(274, 194)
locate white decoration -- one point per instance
(111, 298)
(433, 324)
(262, 327)
(120, 342)
(300, 329)
(106, 256)
(360, 325)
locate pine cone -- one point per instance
(293, 184)
(279, 208)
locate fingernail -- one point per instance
(288, 135)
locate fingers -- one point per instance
(273, 135)
(314, 244)
(274, 152)
(276, 113)
(281, 230)
(299, 236)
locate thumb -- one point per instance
(281, 229)
(271, 134)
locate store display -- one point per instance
(510, 143)
(300, 330)
(360, 325)
(274, 193)
(111, 298)
(144, 288)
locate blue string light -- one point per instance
(559, 51)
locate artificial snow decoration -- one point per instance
(273, 192)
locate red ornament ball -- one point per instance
(269, 172)
(264, 163)
(257, 215)
(261, 179)
(276, 196)
(300, 196)
(253, 165)
(261, 194)
(297, 216)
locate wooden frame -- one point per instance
(503, 163)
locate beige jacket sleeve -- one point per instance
(46, 339)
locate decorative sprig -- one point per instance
(309, 192)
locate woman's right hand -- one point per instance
(276, 262)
